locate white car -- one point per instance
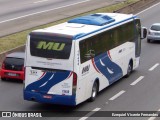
(154, 32)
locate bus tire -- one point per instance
(129, 69)
(94, 91)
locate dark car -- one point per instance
(13, 66)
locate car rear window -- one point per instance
(155, 27)
(14, 61)
(50, 46)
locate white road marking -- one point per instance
(148, 8)
(40, 1)
(153, 118)
(42, 12)
(83, 118)
(117, 95)
(138, 80)
(155, 66)
(96, 109)
(89, 114)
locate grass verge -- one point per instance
(19, 39)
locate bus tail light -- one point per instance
(74, 83)
(74, 79)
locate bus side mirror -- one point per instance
(144, 32)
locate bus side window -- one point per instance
(86, 50)
(83, 48)
(90, 54)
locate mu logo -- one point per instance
(50, 46)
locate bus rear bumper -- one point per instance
(48, 98)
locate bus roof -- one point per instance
(85, 25)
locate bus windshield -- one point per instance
(50, 46)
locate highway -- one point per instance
(139, 92)
(21, 8)
(18, 15)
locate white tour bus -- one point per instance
(71, 62)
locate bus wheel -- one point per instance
(94, 92)
(129, 70)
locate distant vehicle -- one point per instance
(72, 61)
(13, 66)
(154, 32)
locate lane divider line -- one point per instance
(117, 95)
(83, 118)
(136, 81)
(153, 118)
(154, 67)
(42, 11)
(148, 8)
(89, 114)
(40, 1)
(96, 109)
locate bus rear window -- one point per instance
(49, 46)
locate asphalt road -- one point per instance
(18, 15)
(139, 92)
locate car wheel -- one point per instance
(94, 92)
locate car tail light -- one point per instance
(74, 83)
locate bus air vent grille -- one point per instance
(93, 19)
